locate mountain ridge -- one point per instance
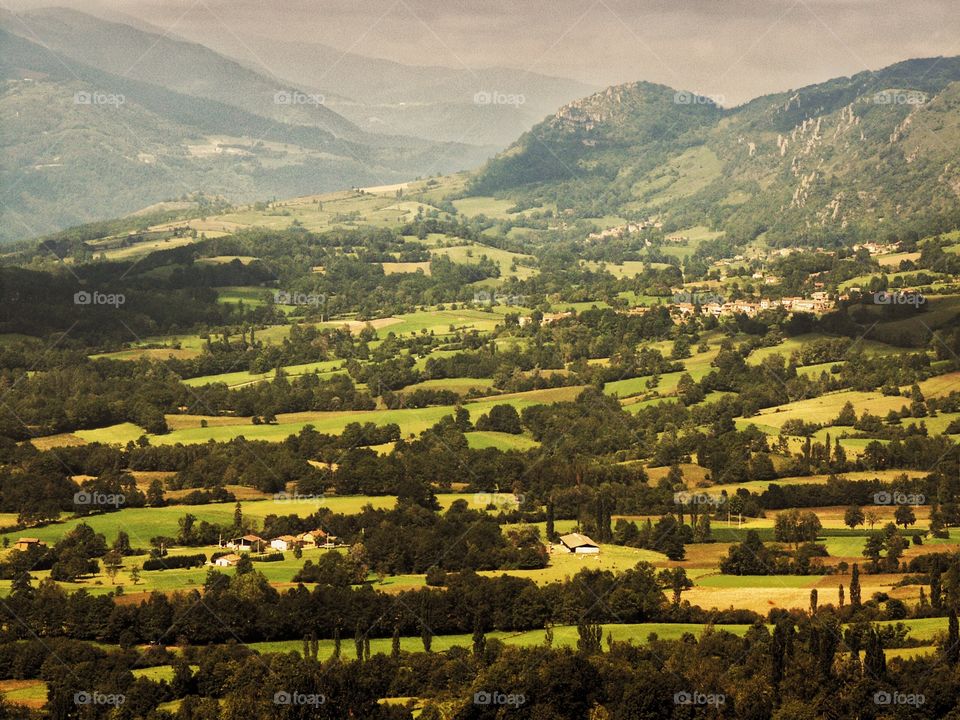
(766, 167)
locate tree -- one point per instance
(874, 660)
(479, 638)
(461, 418)
(797, 526)
(952, 648)
(813, 601)
(701, 533)
(155, 493)
(855, 586)
(72, 565)
(688, 391)
(840, 598)
(244, 564)
(853, 516)
(676, 580)
(589, 638)
(112, 562)
(873, 549)
(501, 418)
(135, 575)
(122, 543)
(358, 642)
(904, 516)
(847, 416)
(936, 589)
(872, 517)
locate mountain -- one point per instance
(83, 142)
(877, 152)
(481, 106)
(178, 65)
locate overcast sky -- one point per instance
(733, 49)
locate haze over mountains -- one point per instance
(177, 117)
(480, 106)
(103, 118)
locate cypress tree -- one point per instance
(479, 639)
(874, 660)
(395, 643)
(855, 586)
(953, 639)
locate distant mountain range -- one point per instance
(480, 106)
(875, 153)
(102, 118)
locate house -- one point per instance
(577, 543)
(28, 543)
(549, 318)
(247, 543)
(227, 560)
(284, 542)
(317, 538)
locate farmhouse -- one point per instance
(577, 543)
(284, 542)
(227, 560)
(247, 543)
(316, 538)
(28, 543)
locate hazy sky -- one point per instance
(732, 49)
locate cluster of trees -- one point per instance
(807, 666)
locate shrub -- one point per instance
(171, 562)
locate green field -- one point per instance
(324, 368)
(563, 636)
(145, 523)
(567, 636)
(504, 441)
(411, 420)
